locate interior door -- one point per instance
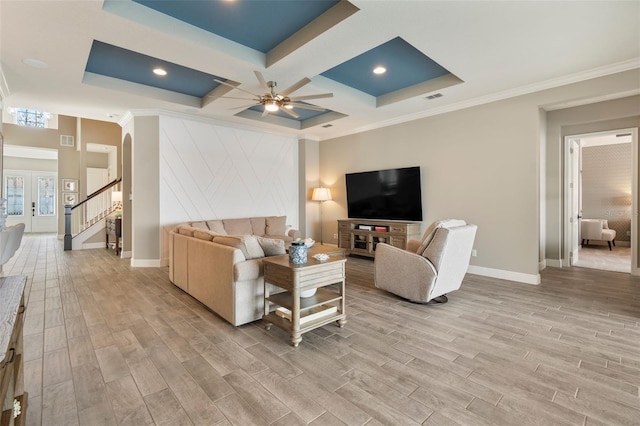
(31, 199)
(575, 213)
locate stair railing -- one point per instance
(83, 215)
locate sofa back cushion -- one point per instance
(200, 225)
(247, 244)
(187, 230)
(217, 226)
(238, 226)
(258, 226)
(276, 225)
(272, 246)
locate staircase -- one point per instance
(87, 218)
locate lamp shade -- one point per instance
(116, 196)
(321, 194)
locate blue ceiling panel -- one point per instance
(258, 24)
(304, 114)
(116, 62)
(406, 66)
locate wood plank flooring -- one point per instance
(109, 344)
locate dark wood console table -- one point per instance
(114, 229)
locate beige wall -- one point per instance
(145, 190)
(37, 164)
(482, 164)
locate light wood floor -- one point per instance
(110, 344)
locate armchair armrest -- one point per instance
(404, 273)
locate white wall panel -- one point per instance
(210, 171)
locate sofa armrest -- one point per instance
(413, 245)
(293, 233)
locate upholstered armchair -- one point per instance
(597, 229)
(428, 269)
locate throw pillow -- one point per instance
(271, 246)
(200, 225)
(247, 244)
(276, 225)
(238, 226)
(217, 226)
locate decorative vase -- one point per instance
(298, 253)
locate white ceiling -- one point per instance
(499, 49)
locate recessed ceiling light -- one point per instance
(35, 63)
(379, 70)
(159, 71)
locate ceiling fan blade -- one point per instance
(302, 98)
(236, 87)
(262, 81)
(265, 113)
(307, 106)
(295, 87)
(291, 113)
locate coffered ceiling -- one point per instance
(95, 59)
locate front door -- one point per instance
(31, 199)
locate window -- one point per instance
(31, 118)
(46, 196)
(14, 190)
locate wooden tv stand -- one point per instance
(360, 236)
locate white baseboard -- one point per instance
(554, 263)
(542, 264)
(505, 275)
(146, 263)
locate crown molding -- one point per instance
(506, 94)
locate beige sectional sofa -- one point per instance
(219, 262)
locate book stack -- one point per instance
(380, 228)
(310, 314)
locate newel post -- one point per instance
(67, 227)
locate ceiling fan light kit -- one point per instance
(274, 101)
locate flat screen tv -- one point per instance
(393, 194)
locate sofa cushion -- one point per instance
(276, 225)
(203, 235)
(272, 246)
(247, 244)
(238, 226)
(258, 225)
(187, 230)
(217, 226)
(200, 225)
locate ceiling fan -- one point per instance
(274, 101)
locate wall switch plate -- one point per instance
(335, 236)
(474, 252)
